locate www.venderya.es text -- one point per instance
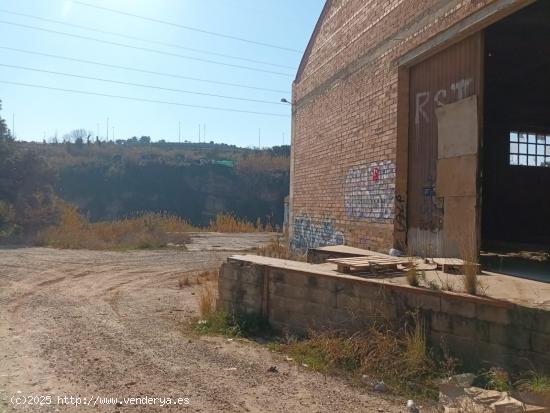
(95, 400)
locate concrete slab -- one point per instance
(215, 241)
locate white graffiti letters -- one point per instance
(457, 91)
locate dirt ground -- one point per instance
(96, 325)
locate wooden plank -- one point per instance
(376, 263)
(448, 261)
(453, 265)
(372, 259)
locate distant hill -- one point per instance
(196, 181)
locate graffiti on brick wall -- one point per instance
(457, 91)
(400, 217)
(310, 233)
(369, 192)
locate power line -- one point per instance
(78, 26)
(164, 102)
(181, 26)
(145, 49)
(133, 69)
(99, 79)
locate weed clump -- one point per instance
(413, 277)
(536, 382)
(498, 379)
(398, 357)
(233, 325)
(278, 249)
(468, 250)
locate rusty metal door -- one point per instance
(447, 77)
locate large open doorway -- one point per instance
(516, 144)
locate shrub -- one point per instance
(498, 379)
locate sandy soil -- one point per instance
(113, 324)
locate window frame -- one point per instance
(528, 149)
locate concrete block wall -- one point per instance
(477, 330)
(345, 160)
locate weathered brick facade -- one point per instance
(348, 165)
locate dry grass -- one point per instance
(469, 254)
(398, 357)
(264, 162)
(413, 276)
(142, 231)
(229, 223)
(207, 301)
(208, 297)
(147, 230)
(198, 278)
(278, 249)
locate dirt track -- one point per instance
(107, 324)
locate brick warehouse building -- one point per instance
(423, 125)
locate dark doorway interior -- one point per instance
(516, 166)
(516, 144)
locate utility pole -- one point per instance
(199, 133)
(107, 128)
(113, 133)
(259, 139)
(283, 139)
(204, 133)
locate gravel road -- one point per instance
(105, 325)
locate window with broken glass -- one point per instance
(529, 149)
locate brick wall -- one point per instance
(345, 118)
(298, 296)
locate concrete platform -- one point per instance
(516, 290)
(508, 327)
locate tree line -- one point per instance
(110, 180)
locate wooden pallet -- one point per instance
(453, 265)
(374, 262)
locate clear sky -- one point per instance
(39, 112)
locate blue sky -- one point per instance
(286, 23)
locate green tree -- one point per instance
(27, 201)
